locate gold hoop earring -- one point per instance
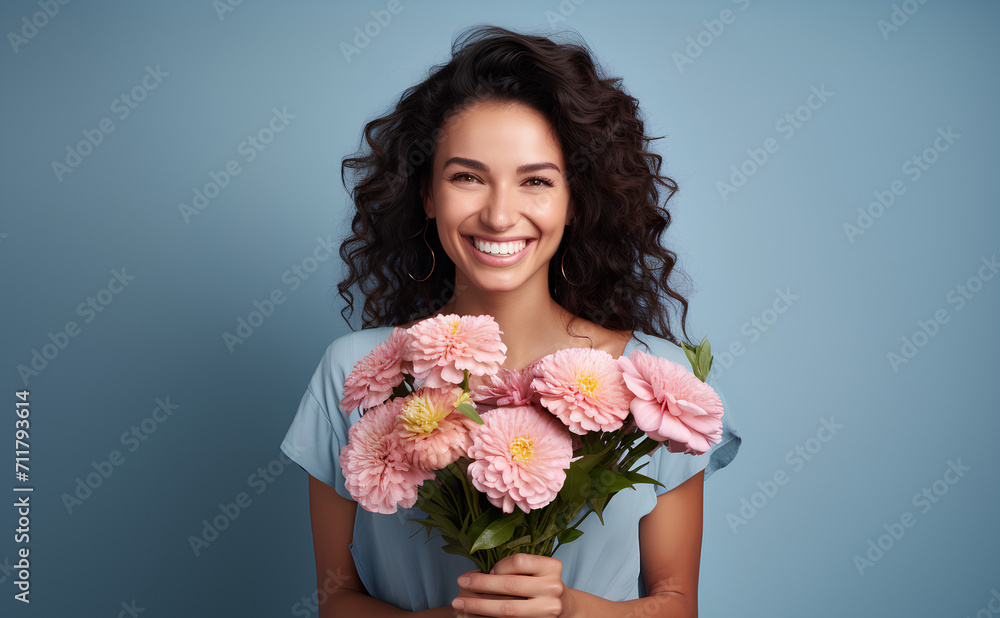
(433, 257)
(563, 269)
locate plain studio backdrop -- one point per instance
(169, 177)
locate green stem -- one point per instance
(630, 459)
(489, 556)
(451, 497)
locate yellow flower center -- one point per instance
(520, 449)
(454, 326)
(586, 384)
(420, 416)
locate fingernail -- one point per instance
(464, 580)
(458, 604)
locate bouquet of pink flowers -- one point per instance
(554, 443)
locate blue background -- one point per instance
(794, 550)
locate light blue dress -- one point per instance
(397, 563)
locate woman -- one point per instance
(515, 182)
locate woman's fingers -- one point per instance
(528, 564)
(519, 585)
(539, 606)
(523, 586)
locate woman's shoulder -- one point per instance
(343, 353)
(349, 348)
(339, 358)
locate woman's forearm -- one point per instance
(347, 602)
(667, 604)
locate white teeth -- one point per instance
(503, 248)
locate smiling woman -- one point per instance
(516, 181)
(583, 134)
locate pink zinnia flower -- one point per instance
(671, 403)
(377, 472)
(504, 388)
(374, 376)
(431, 432)
(520, 457)
(584, 388)
(443, 347)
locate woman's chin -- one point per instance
(498, 282)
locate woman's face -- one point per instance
(498, 195)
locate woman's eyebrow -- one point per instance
(534, 167)
(478, 165)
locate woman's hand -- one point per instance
(519, 585)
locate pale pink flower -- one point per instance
(584, 388)
(431, 432)
(373, 377)
(376, 470)
(520, 457)
(504, 388)
(444, 346)
(671, 403)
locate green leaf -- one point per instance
(463, 539)
(635, 477)
(451, 548)
(585, 463)
(430, 499)
(458, 476)
(598, 506)
(606, 482)
(446, 483)
(481, 523)
(550, 531)
(644, 447)
(639, 468)
(467, 409)
(524, 540)
(499, 532)
(700, 357)
(444, 524)
(704, 360)
(426, 523)
(691, 353)
(576, 487)
(568, 535)
(429, 490)
(431, 506)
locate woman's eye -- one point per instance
(536, 181)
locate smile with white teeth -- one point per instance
(499, 248)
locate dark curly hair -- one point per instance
(612, 253)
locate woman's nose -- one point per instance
(500, 210)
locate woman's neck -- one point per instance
(532, 323)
